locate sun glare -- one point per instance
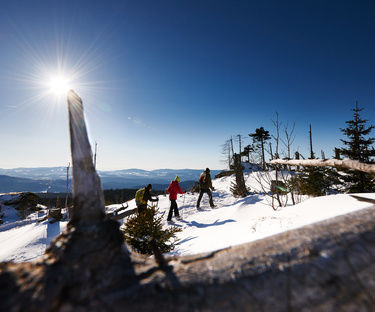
(59, 85)
(50, 77)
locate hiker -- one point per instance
(205, 185)
(173, 190)
(142, 197)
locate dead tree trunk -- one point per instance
(239, 188)
(88, 199)
(312, 154)
(327, 266)
(337, 163)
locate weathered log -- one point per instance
(344, 164)
(327, 266)
(121, 213)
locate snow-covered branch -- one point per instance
(337, 163)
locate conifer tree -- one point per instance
(247, 150)
(140, 230)
(358, 146)
(260, 136)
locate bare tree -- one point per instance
(312, 154)
(280, 184)
(239, 141)
(231, 145)
(277, 124)
(226, 152)
(289, 138)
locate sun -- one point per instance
(59, 85)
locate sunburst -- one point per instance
(59, 85)
(49, 76)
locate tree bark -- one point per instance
(88, 199)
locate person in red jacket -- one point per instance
(173, 190)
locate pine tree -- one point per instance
(260, 136)
(247, 150)
(313, 181)
(141, 230)
(358, 147)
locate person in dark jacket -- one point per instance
(205, 185)
(173, 190)
(142, 204)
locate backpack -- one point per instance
(139, 197)
(202, 180)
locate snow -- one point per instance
(237, 221)
(233, 221)
(28, 242)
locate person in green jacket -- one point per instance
(142, 197)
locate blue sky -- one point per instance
(165, 83)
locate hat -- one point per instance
(207, 170)
(177, 178)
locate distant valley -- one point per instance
(53, 179)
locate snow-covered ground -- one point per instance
(233, 221)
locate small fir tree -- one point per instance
(141, 229)
(358, 146)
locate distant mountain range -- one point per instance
(53, 179)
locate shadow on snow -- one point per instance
(204, 225)
(186, 240)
